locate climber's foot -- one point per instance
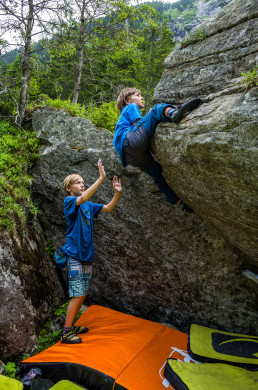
(176, 115)
(80, 329)
(185, 207)
(70, 337)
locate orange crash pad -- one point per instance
(119, 352)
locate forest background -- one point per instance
(87, 52)
(76, 55)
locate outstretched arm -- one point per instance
(108, 208)
(92, 189)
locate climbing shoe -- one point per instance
(80, 329)
(176, 115)
(185, 207)
(70, 338)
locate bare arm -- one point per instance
(135, 122)
(92, 189)
(108, 208)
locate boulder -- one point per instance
(211, 157)
(216, 53)
(210, 7)
(199, 10)
(152, 259)
(29, 289)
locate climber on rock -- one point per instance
(133, 133)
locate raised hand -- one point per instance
(117, 184)
(102, 172)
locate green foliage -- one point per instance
(250, 79)
(131, 53)
(47, 338)
(185, 9)
(75, 109)
(10, 369)
(10, 79)
(105, 116)
(49, 247)
(171, 14)
(188, 15)
(62, 310)
(197, 35)
(18, 151)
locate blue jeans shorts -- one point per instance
(79, 276)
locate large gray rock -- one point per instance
(200, 10)
(29, 290)
(210, 7)
(214, 150)
(211, 160)
(152, 259)
(226, 46)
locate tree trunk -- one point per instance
(26, 63)
(80, 56)
(149, 72)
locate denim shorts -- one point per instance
(79, 276)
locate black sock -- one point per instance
(67, 329)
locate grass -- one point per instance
(104, 116)
(18, 152)
(250, 79)
(196, 36)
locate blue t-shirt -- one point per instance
(79, 236)
(128, 116)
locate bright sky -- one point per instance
(163, 1)
(12, 38)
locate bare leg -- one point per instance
(72, 310)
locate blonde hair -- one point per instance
(70, 180)
(124, 96)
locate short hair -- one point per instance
(70, 180)
(124, 96)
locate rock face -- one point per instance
(152, 259)
(214, 150)
(226, 46)
(211, 159)
(200, 10)
(29, 289)
(210, 7)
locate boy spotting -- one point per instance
(133, 133)
(79, 246)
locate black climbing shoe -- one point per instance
(185, 207)
(182, 109)
(70, 338)
(80, 329)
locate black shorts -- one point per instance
(136, 151)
